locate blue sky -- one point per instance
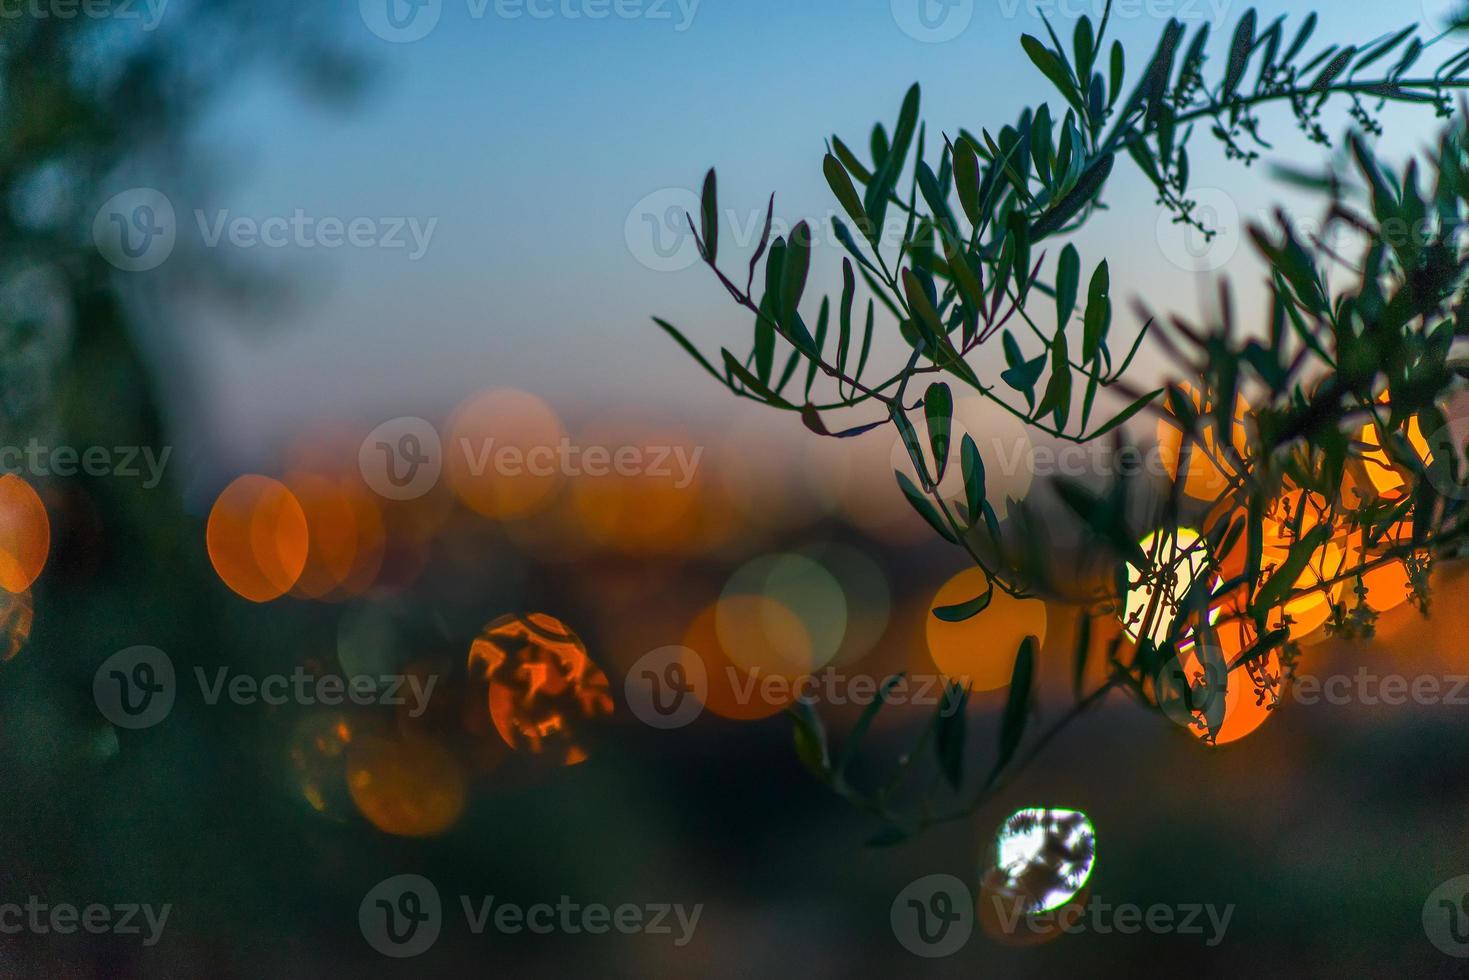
(532, 140)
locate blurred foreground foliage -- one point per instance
(87, 105)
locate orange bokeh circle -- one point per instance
(503, 455)
(1310, 611)
(1388, 586)
(735, 692)
(543, 687)
(25, 534)
(764, 636)
(1385, 475)
(345, 529)
(411, 787)
(1253, 693)
(981, 650)
(1210, 469)
(646, 494)
(331, 523)
(257, 538)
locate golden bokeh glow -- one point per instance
(543, 689)
(1310, 611)
(1388, 586)
(1177, 560)
(1209, 467)
(502, 454)
(331, 522)
(1387, 478)
(1252, 690)
(736, 692)
(981, 650)
(318, 753)
(410, 787)
(25, 534)
(763, 636)
(756, 627)
(643, 502)
(258, 538)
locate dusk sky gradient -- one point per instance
(532, 141)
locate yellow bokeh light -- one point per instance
(1388, 586)
(981, 650)
(1209, 467)
(1385, 476)
(1319, 580)
(1177, 560)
